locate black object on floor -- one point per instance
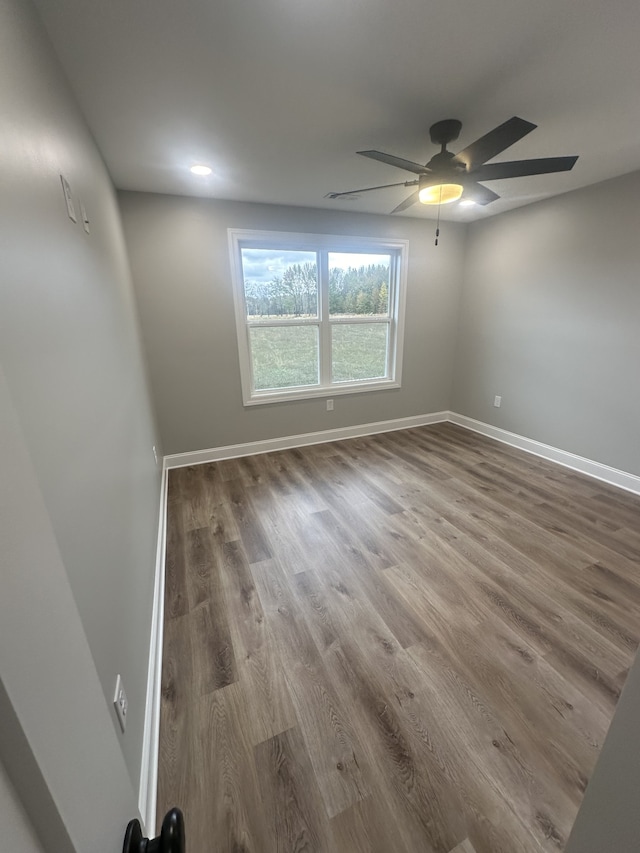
(170, 840)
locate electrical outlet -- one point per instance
(497, 401)
(329, 405)
(120, 703)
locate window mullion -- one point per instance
(393, 316)
(325, 328)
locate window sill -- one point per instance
(260, 398)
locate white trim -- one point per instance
(261, 397)
(597, 470)
(148, 792)
(396, 329)
(232, 451)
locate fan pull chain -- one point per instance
(438, 222)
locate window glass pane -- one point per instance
(284, 356)
(358, 284)
(359, 351)
(280, 283)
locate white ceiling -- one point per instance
(278, 95)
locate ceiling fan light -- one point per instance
(440, 193)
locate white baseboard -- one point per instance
(621, 479)
(597, 470)
(148, 792)
(232, 451)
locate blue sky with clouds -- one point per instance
(263, 265)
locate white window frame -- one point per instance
(322, 243)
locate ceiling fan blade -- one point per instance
(369, 189)
(400, 162)
(522, 168)
(479, 194)
(412, 199)
(494, 142)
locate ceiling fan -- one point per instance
(447, 176)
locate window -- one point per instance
(317, 315)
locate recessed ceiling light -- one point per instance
(467, 202)
(199, 169)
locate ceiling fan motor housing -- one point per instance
(443, 168)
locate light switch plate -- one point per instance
(69, 199)
(120, 703)
(85, 218)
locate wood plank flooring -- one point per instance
(406, 643)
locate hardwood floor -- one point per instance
(406, 643)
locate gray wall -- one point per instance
(17, 832)
(180, 262)
(57, 740)
(550, 320)
(71, 355)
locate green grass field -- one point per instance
(287, 356)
